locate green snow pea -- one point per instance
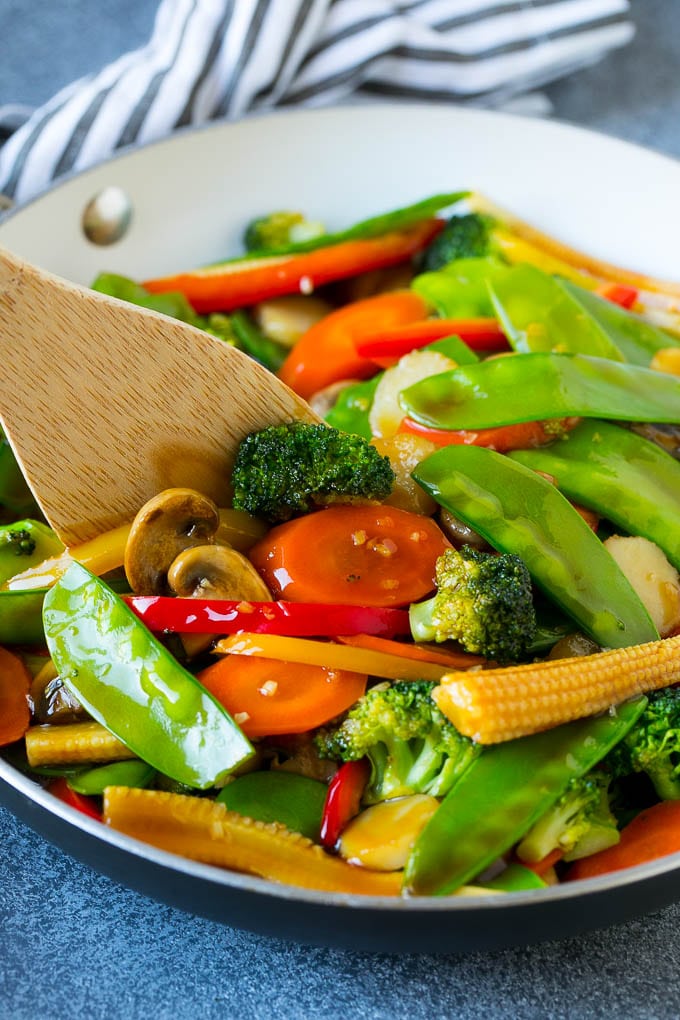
(93, 782)
(515, 878)
(23, 544)
(538, 313)
(637, 339)
(519, 511)
(460, 290)
(627, 479)
(375, 226)
(533, 387)
(131, 684)
(352, 407)
(455, 348)
(292, 800)
(500, 796)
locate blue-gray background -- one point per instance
(73, 944)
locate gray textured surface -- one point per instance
(73, 944)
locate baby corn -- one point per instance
(206, 831)
(72, 743)
(494, 705)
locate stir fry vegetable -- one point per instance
(433, 646)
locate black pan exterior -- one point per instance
(461, 925)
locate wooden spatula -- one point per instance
(105, 403)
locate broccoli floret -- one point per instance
(20, 540)
(411, 745)
(580, 823)
(292, 469)
(280, 230)
(483, 600)
(652, 746)
(463, 237)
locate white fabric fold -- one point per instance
(209, 59)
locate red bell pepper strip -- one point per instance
(479, 334)
(620, 293)
(343, 800)
(237, 284)
(502, 439)
(327, 352)
(60, 789)
(293, 619)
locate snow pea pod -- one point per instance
(351, 409)
(93, 782)
(532, 387)
(292, 800)
(637, 339)
(460, 289)
(500, 796)
(25, 544)
(538, 313)
(131, 684)
(626, 478)
(518, 511)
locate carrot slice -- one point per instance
(368, 555)
(327, 352)
(268, 696)
(653, 833)
(416, 653)
(15, 684)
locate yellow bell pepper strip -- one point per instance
(519, 511)
(536, 386)
(231, 285)
(295, 619)
(333, 656)
(588, 264)
(625, 478)
(131, 684)
(500, 796)
(206, 831)
(275, 796)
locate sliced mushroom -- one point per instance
(174, 520)
(216, 572)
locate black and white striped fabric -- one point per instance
(211, 59)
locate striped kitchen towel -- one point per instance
(210, 59)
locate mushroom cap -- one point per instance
(217, 572)
(173, 520)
